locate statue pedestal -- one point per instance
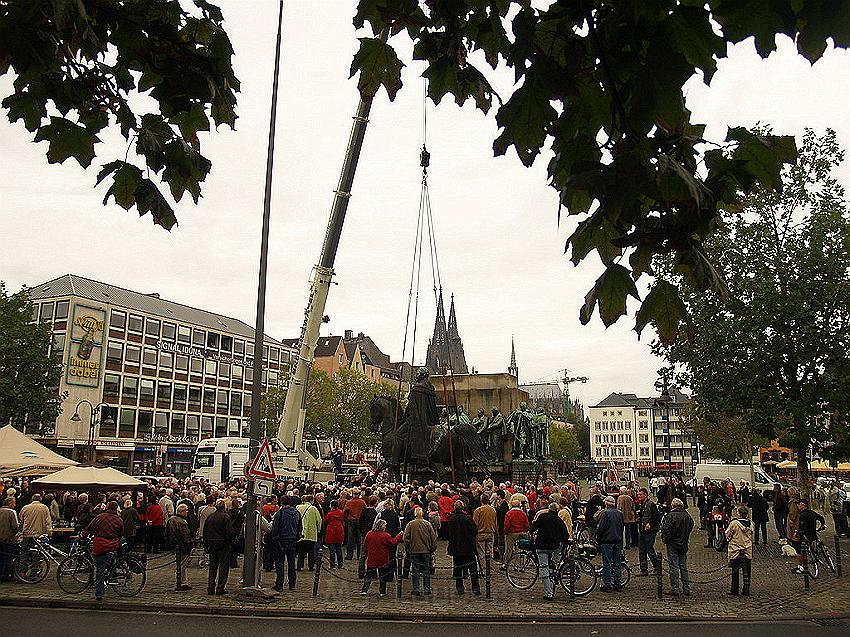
(523, 468)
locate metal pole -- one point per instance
(805, 553)
(318, 572)
(249, 570)
(487, 566)
(572, 587)
(659, 579)
(177, 556)
(399, 563)
(838, 555)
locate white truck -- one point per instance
(223, 459)
(719, 471)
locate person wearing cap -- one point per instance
(609, 535)
(676, 530)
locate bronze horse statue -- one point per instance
(467, 448)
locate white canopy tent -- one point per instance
(20, 455)
(88, 479)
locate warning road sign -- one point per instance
(262, 466)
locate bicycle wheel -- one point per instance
(31, 567)
(814, 567)
(75, 574)
(825, 557)
(585, 577)
(626, 573)
(128, 577)
(584, 536)
(521, 570)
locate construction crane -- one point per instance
(567, 379)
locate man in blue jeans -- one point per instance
(675, 533)
(106, 529)
(284, 534)
(609, 536)
(550, 534)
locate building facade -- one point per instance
(547, 398)
(643, 433)
(161, 375)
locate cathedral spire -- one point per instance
(513, 370)
(439, 337)
(452, 329)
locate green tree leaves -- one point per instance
(601, 84)
(379, 66)
(29, 382)
(55, 52)
(772, 359)
(609, 292)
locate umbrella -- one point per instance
(770, 462)
(20, 455)
(89, 479)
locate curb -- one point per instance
(382, 615)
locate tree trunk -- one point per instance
(804, 480)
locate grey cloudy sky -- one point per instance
(501, 249)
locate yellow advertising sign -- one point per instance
(85, 355)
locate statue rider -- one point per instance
(420, 416)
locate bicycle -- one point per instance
(590, 551)
(125, 574)
(33, 564)
(818, 553)
(523, 569)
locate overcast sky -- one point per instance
(500, 247)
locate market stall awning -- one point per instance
(787, 464)
(20, 455)
(821, 465)
(88, 479)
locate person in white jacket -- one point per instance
(740, 550)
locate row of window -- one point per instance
(174, 396)
(673, 453)
(50, 311)
(137, 424)
(183, 334)
(621, 438)
(130, 323)
(136, 355)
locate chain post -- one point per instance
(805, 553)
(572, 563)
(399, 562)
(488, 593)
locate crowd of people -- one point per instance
(363, 525)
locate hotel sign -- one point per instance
(85, 354)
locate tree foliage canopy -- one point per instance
(775, 356)
(563, 444)
(599, 83)
(337, 407)
(29, 375)
(81, 67)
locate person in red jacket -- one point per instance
(335, 534)
(446, 506)
(155, 521)
(516, 524)
(377, 544)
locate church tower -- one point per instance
(513, 370)
(445, 350)
(456, 353)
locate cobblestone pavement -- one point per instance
(776, 592)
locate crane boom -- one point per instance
(291, 429)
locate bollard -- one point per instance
(805, 553)
(177, 556)
(487, 564)
(659, 579)
(838, 555)
(572, 587)
(399, 562)
(319, 558)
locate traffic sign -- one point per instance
(262, 466)
(263, 487)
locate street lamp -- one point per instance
(94, 420)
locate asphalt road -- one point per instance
(36, 622)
